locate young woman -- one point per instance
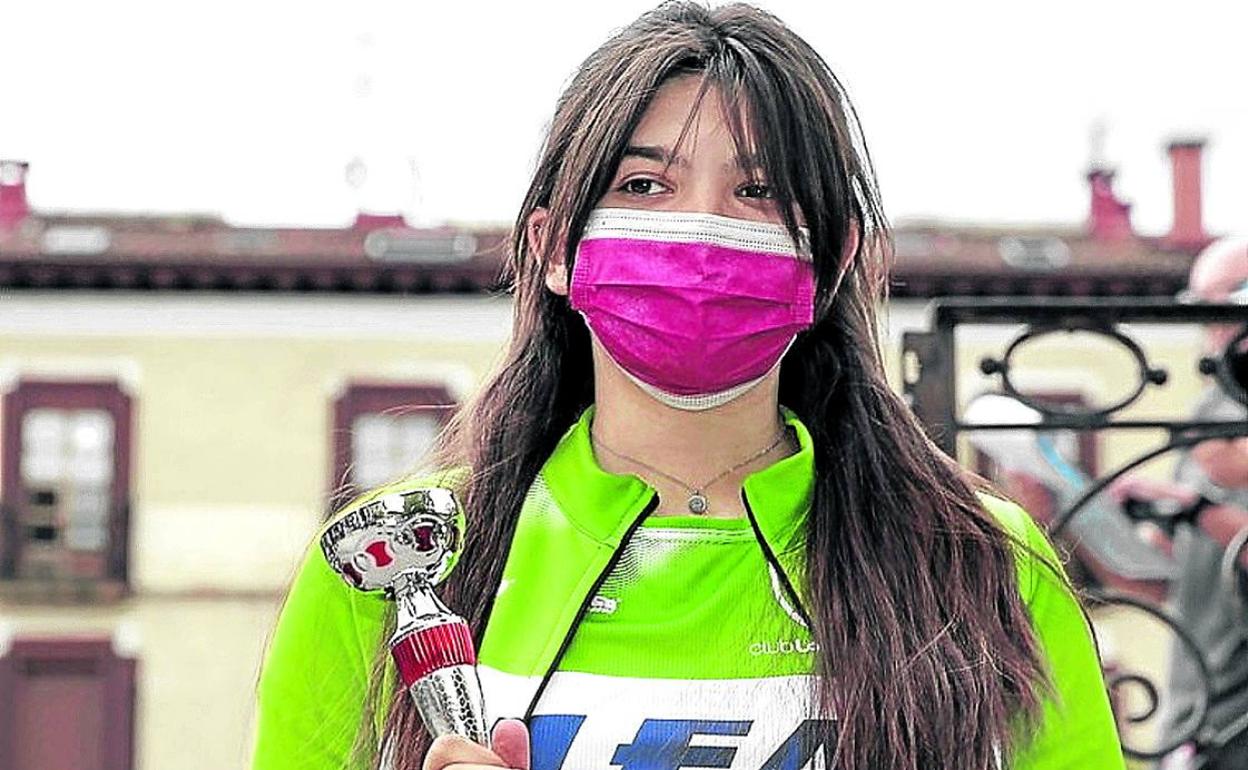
(702, 529)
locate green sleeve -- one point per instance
(1077, 730)
(310, 698)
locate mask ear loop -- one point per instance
(574, 273)
(848, 256)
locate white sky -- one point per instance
(251, 108)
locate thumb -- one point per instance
(510, 740)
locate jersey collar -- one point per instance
(602, 504)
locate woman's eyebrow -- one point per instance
(655, 152)
(661, 154)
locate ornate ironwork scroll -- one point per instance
(931, 386)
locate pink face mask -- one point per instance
(695, 308)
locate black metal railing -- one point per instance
(931, 375)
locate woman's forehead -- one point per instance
(677, 104)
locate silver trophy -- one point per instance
(403, 545)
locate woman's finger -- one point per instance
(455, 752)
(511, 743)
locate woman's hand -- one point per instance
(511, 749)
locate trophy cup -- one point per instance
(403, 545)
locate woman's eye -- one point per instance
(755, 190)
(641, 186)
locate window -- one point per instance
(382, 431)
(66, 485)
(67, 703)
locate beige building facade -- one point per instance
(233, 400)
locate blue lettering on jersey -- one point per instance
(663, 744)
(550, 737)
(799, 748)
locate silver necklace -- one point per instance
(697, 501)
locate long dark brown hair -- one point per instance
(927, 657)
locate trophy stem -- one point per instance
(433, 650)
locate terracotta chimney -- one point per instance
(1188, 228)
(1108, 217)
(13, 205)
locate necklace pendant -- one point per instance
(697, 502)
